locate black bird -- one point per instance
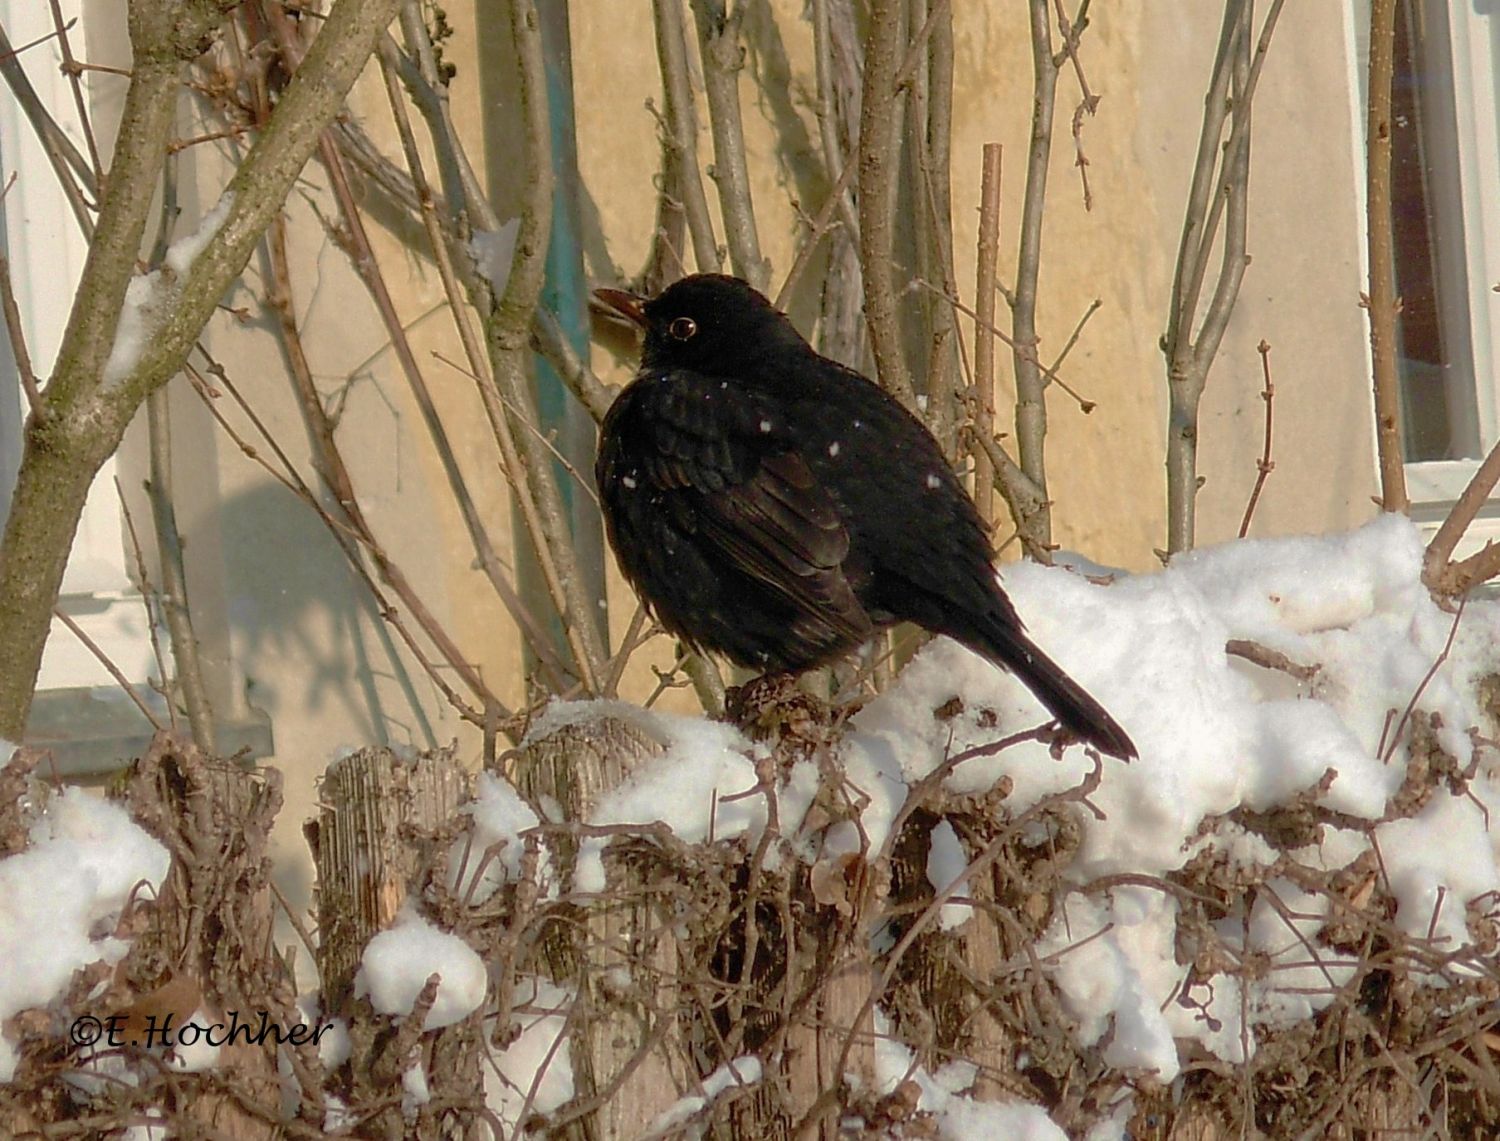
(774, 506)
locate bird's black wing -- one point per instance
(718, 463)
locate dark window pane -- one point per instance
(1439, 413)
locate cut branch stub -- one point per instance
(365, 842)
(620, 951)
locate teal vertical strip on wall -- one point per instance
(565, 293)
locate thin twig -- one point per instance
(928, 159)
(984, 328)
(1479, 567)
(548, 339)
(537, 638)
(174, 597)
(835, 154)
(1085, 405)
(824, 218)
(821, 224)
(1395, 737)
(632, 641)
(17, 335)
(114, 671)
(841, 326)
(145, 589)
(1270, 659)
(188, 667)
(584, 482)
(73, 70)
(331, 465)
(514, 320)
(1022, 496)
(1071, 32)
(1265, 465)
(350, 541)
(72, 171)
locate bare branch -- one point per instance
(722, 57)
(1031, 404)
(930, 107)
(681, 131)
(509, 333)
(1219, 191)
(351, 541)
(1461, 577)
(838, 65)
(1464, 512)
(879, 121)
(1023, 497)
(1267, 658)
(984, 323)
(103, 659)
(75, 177)
(548, 339)
(1265, 466)
(73, 70)
(1088, 104)
(1382, 302)
(17, 335)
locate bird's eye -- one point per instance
(683, 329)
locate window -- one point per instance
(1446, 198)
(1438, 396)
(79, 712)
(47, 253)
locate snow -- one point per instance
(491, 852)
(182, 253)
(143, 310)
(946, 862)
(1439, 860)
(1114, 966)
(398, 961)
(150, 298)
(536, 1069)
(956, 1116)
(415, 1091)
(1219, 735)
(85, 859)
(493, 252)
(695, 786)
(1216, 732)
(743, 1071)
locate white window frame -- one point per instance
(47, 254)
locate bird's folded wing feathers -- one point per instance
(740, 487)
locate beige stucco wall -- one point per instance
(287, 623)
(1150, 62)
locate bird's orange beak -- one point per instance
(626, 304)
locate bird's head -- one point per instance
(708, 322)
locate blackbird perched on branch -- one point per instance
(773, 506)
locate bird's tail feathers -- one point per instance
(1068, 701)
